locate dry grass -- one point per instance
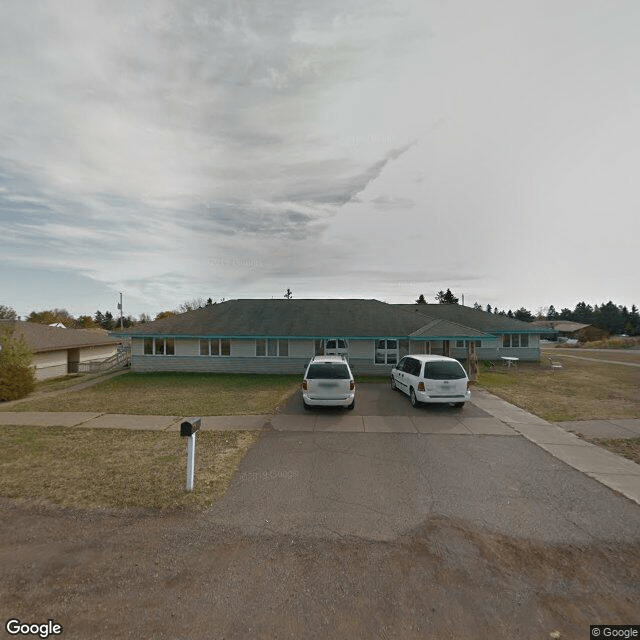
(582, 390)
(628, 448)
(632, 356)
(117, 468)
(169, 393)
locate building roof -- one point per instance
(492, 323)
(566, 326)
(41, 337)
(312, 318)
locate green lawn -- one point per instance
(172, 393)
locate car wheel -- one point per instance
(353, 404)
(414, 400)
(305, 405)
(393, 384)
(459, 405)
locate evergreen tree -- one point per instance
(421, 299)
(446, 297)
(523, 314)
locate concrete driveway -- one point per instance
(379, 409)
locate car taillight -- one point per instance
(420, 386)
(352, 385)
(304, 385)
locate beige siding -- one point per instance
(102, 352)
(187, 346)
(362, 349)
(137, 346)
(243, 348)
(301, 349)
(50, 364)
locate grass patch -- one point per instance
(629, 448)
(171, 393)
(582, 390)
(116, 468)
(613, 343)
(632, 355)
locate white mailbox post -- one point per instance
(188, 429)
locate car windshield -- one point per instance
(444, 371)
(328, 370)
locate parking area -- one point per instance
(379, 409)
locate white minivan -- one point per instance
(328, 382)
(431, 379)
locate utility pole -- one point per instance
(120, 307)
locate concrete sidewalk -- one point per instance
(616, 472)
(505, 419)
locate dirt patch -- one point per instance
(138, 574)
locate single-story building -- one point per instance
(507, 336)
(563, 329)
(58, 352)
(280, 336)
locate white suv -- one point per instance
(328, 382)
(431, 379)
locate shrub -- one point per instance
(17, 377)
(16, 381)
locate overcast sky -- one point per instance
(343, 148)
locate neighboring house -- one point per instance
(505, 336)
(563, 328)
(57, 352)
(280, 336)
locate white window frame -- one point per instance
(154, 349)
(218, 343)
(272, 345)
(386, 351)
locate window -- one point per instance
(272, 347)
(459, 343)
(386, 351)
(328, 370)
(515, 340)
(215, 347)
(524, 340)
(445, 370)
(506, 340)
(159, 347)
(412, 366)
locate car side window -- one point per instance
(401, 364)
(410, 366)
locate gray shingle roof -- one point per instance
(567, 326)
(469, 317)
(302, 318)
(40, 337)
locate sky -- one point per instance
(341, 149)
